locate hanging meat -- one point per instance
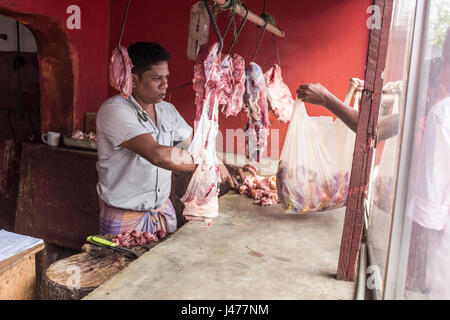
(201, 197)
(120, 72)
(278, 94)
(225, 83)
(256, 106)
(9, 167)
(206, 76)
(232, 74)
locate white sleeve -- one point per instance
(118, 124)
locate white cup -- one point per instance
(51, 138)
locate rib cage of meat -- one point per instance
(278, 94)
(120, 72)
(201, 197)
(256, 106)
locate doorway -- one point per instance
(19, 106)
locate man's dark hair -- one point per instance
(145, 54)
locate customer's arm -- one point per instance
(317, 94)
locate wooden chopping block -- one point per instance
(75, 277)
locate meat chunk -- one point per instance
(206, 77)
(256, 105)
(262, 189)
(278, 94)
(79, 135)
(133, 238)
(120, 72)
(201, 197)
(232, 75)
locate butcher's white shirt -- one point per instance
(127, 180)
(430, 205)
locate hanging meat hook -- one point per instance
(216, 29)
(239, 30)
(123, 24)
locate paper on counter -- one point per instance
(13, 243)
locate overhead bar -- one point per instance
(254, 18)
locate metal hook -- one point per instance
(216, 29)
(177, 88)
(228, 26)
(11, 125)
(260, 39)
(123, 23)
(276, 49)
(240, 29)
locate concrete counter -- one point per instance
(249, 252)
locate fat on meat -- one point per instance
(278, 94)
(201, 197)
(120, 68)
(256, 106)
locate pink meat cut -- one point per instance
(133, 238)
(256, 104)
(232, 82)
(201, 197)
(279, 95)
(262, 189)
(120, 68)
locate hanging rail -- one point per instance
(254, 18)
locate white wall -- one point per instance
(27, 41)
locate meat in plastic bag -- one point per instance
(314, 169)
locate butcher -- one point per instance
(141, 139)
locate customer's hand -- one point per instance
(314, 93)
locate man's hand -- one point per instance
(314, 93)
(225, 176)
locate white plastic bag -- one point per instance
(383, 174)
(315, 163)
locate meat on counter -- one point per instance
(80, 135)
(262, 189)
(133, 238)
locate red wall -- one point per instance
(326, 41)
(90, 50)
